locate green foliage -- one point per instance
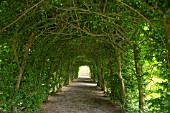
(160, 104)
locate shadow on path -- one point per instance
(81, 96)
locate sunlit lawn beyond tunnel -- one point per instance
(84, 71)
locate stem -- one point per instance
(167, 28)
(141, 98)
(135, 11)
(121, 80)
(21, 15)
(102, 78)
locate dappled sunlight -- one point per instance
(83, 76)
(86, 81)
(86, 84)
(81, 96)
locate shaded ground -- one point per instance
(81, 96)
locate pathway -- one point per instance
(81, 96)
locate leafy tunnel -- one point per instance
(126, 44)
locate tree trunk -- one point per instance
(139, 77)
(48, 78)
(108, 75)
(98, 76)
(72, 69)
(55, 77)
(67, 79)
(166, 23)
(20, 65)
(102, 78)
(167, 28)
(121, 80)
(94, 74)
(59, 78)
(50, 71)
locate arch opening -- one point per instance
(84, 71)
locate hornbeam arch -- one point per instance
(125, 44)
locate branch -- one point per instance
(15, 53)
(21, 16)
(135, 11)
(88, 33)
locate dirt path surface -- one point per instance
(81, 96)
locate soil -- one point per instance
(81, 96)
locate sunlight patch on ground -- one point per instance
(83, 76)
(87, 84)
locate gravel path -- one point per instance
(81, 96)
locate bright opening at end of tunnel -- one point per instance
(84, 71)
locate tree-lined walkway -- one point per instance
(81, 96)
